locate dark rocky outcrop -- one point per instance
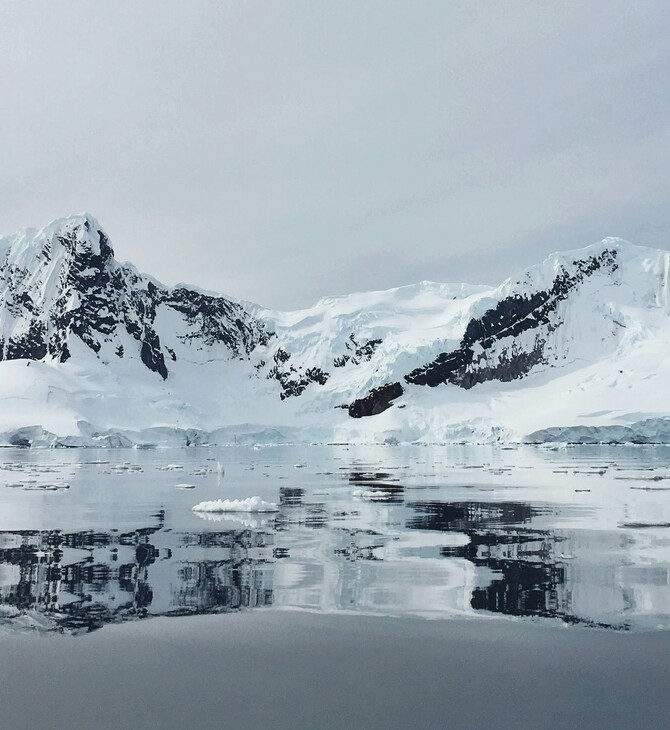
(67, 284)
(293, 380)
(376, 401)
(471, 363)
(357, 353)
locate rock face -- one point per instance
(477, 359)
(63, 284)
(293, 380)
(356, 352)
(523, 327)
(376, 401)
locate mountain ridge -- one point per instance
(418, 362)
(65, 280)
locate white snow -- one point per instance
(605, 377)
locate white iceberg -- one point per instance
(251, 504)
(370, 494)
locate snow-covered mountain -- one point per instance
(94, 351)
(63, 285)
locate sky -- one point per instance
(283, 151)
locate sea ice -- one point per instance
(251, 504)
(369, 494)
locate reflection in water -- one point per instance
(529, 578)
(379, 552)
(83, 580)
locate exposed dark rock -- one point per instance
(357, 352)
(293, 380)
(152, 356)
(97, 300)
(316, 375)
(281, 356)
(471, 363)
(31, 345)
(215, 320)
(376, 401)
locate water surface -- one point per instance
(579, 536)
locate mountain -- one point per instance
(63, 283)
(93, 352)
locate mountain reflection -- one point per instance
(83, 580)
(530, 579)
(387, 556)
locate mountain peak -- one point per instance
(61, 287)
(78, 233)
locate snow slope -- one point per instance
(92, 351)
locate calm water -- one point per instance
(580, 536)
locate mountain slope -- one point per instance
(577, 308)
(63, 283)
(93, 349)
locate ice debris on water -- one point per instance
(124, 468)
(369, 494)
(46, 487)
(250, 504)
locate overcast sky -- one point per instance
(282, 151)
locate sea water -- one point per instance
(569, 535)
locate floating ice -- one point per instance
(124, 468)
(251, 504)
(46, 487)
(369, 494)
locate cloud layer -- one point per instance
(284, 151)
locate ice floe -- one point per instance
(250, 504)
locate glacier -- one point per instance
(94, 353)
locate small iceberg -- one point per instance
(251, 504)
(371, 495)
